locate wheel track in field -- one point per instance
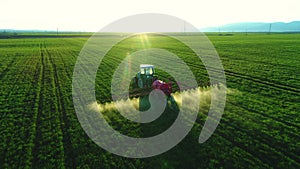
(39, 76)
(48, 150)
(260, 155)
(40, 98)
(69, 154)
(264, 140)
(259, 80)
(239, 146)
(264, 115)
(265, 82)
(264, 63)
(242, 146)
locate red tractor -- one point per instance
(146, 80)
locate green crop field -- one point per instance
(260, 127)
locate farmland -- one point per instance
(259, 129)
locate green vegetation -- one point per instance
(259, 128)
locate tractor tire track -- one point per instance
(264, 115)
(260, 62)
(48, 150)
(39, 75)
(266, 141)
(226, 122)
(258, 153)
(239, 146)
(277, 85)
(259, 80)
(264, 147)
(40, 98)
(65, 124)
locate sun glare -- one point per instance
(144, 40)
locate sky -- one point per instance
(92, 15)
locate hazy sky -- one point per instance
(92, 15)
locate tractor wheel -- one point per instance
(149, 82)
(134, 83)
(140, 83)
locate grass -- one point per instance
(259, 128)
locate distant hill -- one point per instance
(24, 31)
(256, 27)
(234, 27)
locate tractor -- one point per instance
(146, 80)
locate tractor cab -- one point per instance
(145, 76)
(147, 70)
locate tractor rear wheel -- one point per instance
(134, 83)
(140, 83)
